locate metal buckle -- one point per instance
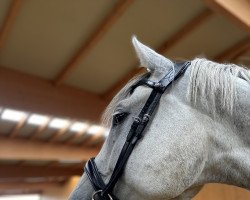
(145, 118)
(100, 191)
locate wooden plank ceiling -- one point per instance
(64, 60)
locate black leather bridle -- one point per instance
(104, 191)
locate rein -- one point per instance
(104, 191)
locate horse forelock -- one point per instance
(213, 85)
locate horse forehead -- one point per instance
(139, 96)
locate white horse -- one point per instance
(200, 133)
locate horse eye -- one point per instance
(118, 118)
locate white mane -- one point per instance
(214, 84)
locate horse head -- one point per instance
(198, 133)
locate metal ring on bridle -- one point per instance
(100, 191)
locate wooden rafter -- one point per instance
(15, 131)
(76, 136)
(89, 141)
(53, 163)
(57, 163)
(9, 21)
(81, 164)
(98, 142)
(58, 134)
(32, 94)
(166, 45)
(39, 130)
(236, 10)
(21, 149)
(188, 28)
(233, 52)
(239, 54)
(25, 188)
(94, 38)
(12, 171)
(20, 163)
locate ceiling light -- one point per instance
(58, 123)
(37, 119)
(78, 127)
(13, 115)
(95, 129)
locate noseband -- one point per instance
(104, 191)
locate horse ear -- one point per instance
(150, 59)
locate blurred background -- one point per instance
(62, 61)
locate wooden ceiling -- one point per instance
(35, 153)
(67, 59)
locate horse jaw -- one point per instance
(153, 61)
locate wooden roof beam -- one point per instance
(77, 135)
(26, 188)
(39, 130)
(9, 21)
(55, 136)
(53, 163)
(94, 38)
(184, 31)
(12, 171)
(233, 52)
(74, 137)
(32, 94)
(92, 139)
(15, 131)
(236, 10)
(21, 149)
(189, 27)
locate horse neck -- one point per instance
(228, 159)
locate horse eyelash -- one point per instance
(119, 117)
